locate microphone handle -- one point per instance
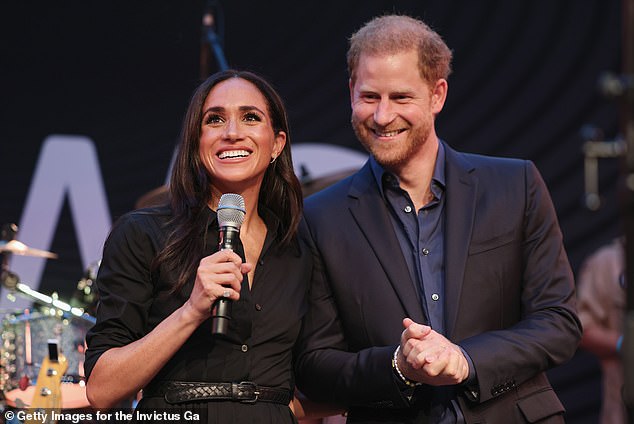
(221, 309)
(221, 315)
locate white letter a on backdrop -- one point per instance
(68, 165)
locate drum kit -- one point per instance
(42, 349)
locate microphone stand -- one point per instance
(211, 40)
(595, 148)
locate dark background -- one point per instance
(121, 72)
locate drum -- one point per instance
(26, 337)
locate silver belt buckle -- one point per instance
(245, 388)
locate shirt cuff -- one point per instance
(470, 385)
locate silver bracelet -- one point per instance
(407, 381)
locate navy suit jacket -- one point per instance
(509, 295)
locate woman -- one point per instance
(161, 271)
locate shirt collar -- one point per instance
(270, 219)
(382, 176)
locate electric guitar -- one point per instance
(47, 397)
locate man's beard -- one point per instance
(391, 155)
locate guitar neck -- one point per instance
(48, 391)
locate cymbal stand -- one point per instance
(7, 278)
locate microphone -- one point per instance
(231, 213)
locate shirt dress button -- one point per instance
(244, 348)
(258, 307)
(435, 296)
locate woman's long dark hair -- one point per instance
(190, 183)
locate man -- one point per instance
(442, 290)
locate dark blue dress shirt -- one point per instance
(421, 237)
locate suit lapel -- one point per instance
(372, 216)
(459, 215)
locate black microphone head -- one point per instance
(231, 210)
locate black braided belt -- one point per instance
(245, 392)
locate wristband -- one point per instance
(407, 381)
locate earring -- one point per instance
(273, 160)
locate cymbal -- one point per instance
(19, 248)
(313, 185)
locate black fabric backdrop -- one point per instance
(524, 84)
